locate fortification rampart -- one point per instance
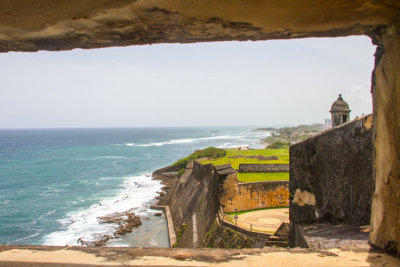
(263, 167)
(194, 204)
(248, 196)
(331, 178)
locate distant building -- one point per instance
(328, 123)
(340, 112)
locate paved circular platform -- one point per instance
(264, 220)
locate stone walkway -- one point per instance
(267, 220)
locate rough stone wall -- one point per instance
(201, 190)
(195, 203)
(220, 236)
(247, 196)
(385, 218)
(331, 176)
(263, 167)
(30, 25)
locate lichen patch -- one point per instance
(302, 198)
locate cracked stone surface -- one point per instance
(29, 25)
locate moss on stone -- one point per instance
(179, 235)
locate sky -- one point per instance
(263, 83)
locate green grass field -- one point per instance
(282, 154)
(236, 157)
(261, 177)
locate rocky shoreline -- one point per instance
(126, 221)
(169, 178)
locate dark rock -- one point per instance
(98, 243)
(126, 221)
(158, 214)
(159, 174)
(170, 174)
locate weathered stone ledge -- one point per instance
(33, 256)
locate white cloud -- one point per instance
(360, 99)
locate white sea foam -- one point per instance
(224, 145)
(153, 243)
(49, 192)
(136, 193)
(43, 216)
(27, 237)
(186, 140)
(5, 202)
(102, 157)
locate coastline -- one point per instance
(109, 221)
(130, 236)
(94, 180)
(153, 229)
(168, 177)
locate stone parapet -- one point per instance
(331, 177)
(248, 196)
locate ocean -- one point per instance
(55, 183)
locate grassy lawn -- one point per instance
(261, 177)
(282, 154)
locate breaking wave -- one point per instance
(136, 193)
(186, 140)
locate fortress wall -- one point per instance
(195, 203)
(385, 218)
(201, 190)
(331, 176)
(247, 196)
(263, 167)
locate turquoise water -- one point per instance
(55, 183)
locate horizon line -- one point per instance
(132, 127)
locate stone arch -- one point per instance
(29, 25)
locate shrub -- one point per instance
(211, 152)
(279, 144)
(181, 172)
